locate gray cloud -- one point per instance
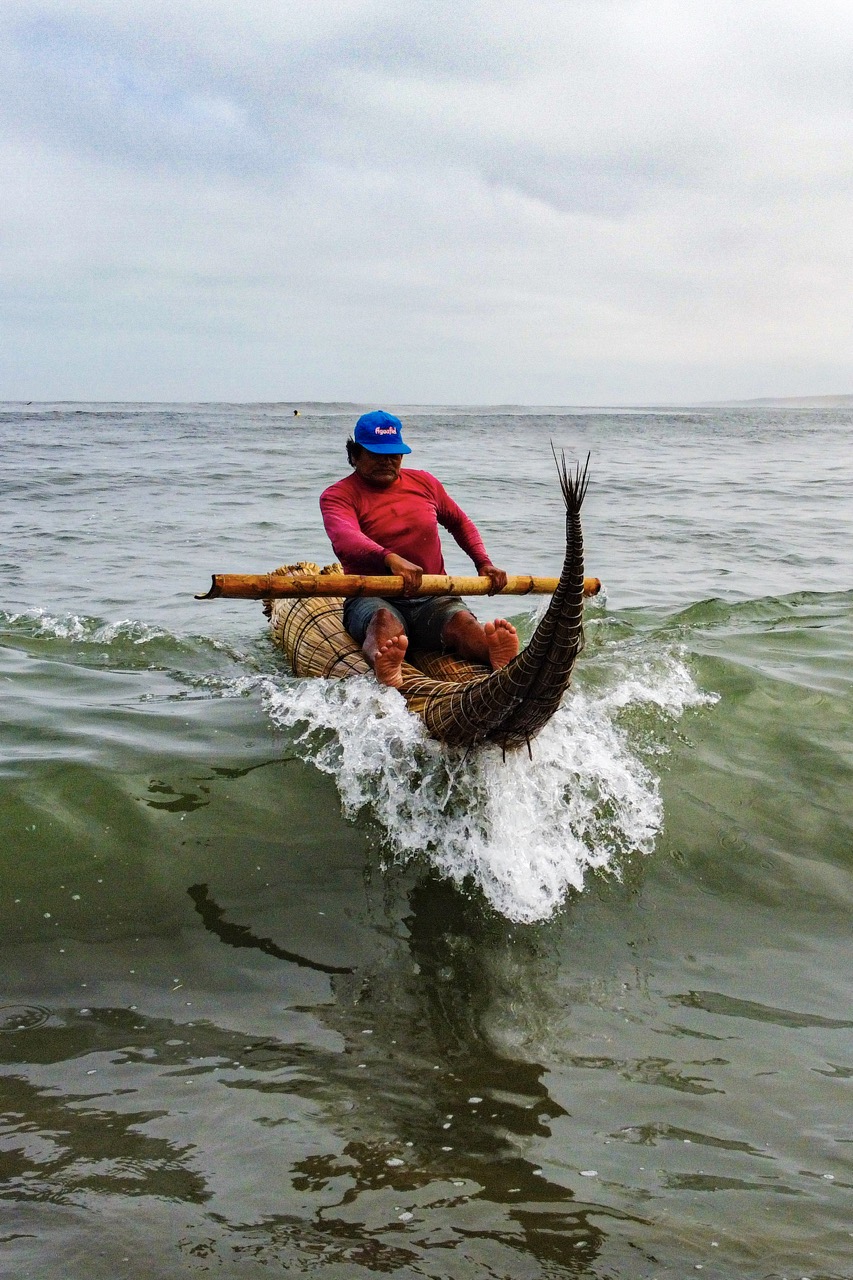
(480, 200)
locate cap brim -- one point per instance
(396, 447)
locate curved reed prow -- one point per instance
(510, 706)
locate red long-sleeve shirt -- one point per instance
(365, 524)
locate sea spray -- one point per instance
(525, 831)
(129, 643)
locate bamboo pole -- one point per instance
(279, 586)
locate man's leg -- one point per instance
(384, 646)
(496, 643)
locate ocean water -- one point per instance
(289, 989)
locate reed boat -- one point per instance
(461, 703)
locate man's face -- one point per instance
(378, 469)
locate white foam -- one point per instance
(661, 679)
(524, 832)
(68, 627)
(71, 626)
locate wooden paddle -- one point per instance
(279, 586)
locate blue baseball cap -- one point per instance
(380, 432)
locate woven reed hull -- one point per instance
(461, 703)
(311, 633)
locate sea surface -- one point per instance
(288, 988)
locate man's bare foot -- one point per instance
(388, 662)
(502, 642)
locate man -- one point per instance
(383, 519)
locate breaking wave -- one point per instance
(523, 831)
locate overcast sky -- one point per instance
(386, 201)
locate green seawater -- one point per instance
(289, 989)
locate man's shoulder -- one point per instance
(343, 488)
(420, 480)
(350, 489)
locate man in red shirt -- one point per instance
(383, 519)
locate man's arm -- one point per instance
(351, 546)
(409, 572)
(355, 549)
(497, 577)
(466, 533)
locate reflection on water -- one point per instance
(411, 1135)
(715, 1002)
(390, 1189)
(459, 1125)
(238, 935)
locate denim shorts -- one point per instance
(423, 619)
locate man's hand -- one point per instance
(497, 577)
(410, 573)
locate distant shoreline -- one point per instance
(792, 402)
(326, 407)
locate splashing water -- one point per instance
(524, 831)
(71, 626)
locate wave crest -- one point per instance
(525, 832)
